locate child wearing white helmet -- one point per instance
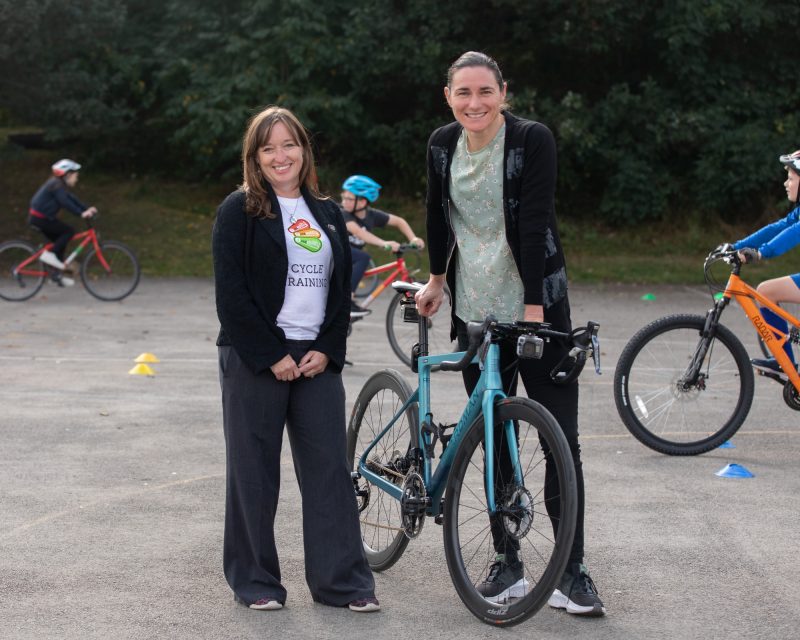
(358, 192)
(768, 242)
(45, 205)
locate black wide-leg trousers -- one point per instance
(255, 409)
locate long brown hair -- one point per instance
(254, 185)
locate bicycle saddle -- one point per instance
(407, 287)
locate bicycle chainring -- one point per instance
(790, 396)
(413, 504)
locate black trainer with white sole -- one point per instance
(506, 580)
(577, 594)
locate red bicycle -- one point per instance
(109, 271)
(403, 335)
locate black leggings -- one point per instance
(561, 401)
(360, 263)
(59, 233)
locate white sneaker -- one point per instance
(50, 258)
(61, 280)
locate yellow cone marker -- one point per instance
(142, 370)
(147, 357)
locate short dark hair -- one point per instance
(475, 59)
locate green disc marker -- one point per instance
(718, 295)
(648, 297)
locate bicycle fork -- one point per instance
(693, 376)
(491, 396)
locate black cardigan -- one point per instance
(529, 182)
(250, 281)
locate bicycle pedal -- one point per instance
(439, 517)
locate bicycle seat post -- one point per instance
(423, 335)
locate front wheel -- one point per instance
(665, 409)
(404, 335)
(111, 273)
(20, 279)
(382, 523)
(534, 521)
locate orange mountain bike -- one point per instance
(402, 336)
(109, 270)
(684, 383)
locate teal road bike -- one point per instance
(482, 479)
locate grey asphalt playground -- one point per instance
(112, 491)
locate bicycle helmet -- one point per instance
(362, 187)
(792, 160)
(62, 167)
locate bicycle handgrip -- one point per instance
(566, 376)
(475, 332)
(462, 364)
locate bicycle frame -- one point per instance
(487, 392)
(398, 270)
(746, 296)
(30, 267)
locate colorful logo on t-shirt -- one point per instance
(306, 236)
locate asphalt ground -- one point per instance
(112, 490)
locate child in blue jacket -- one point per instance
(771, 241)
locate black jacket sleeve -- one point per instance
(257, 339)
(69, 202)
(536, 209)
(436, 221)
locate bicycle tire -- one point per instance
(540, 518)
(404, 335)
(367, 284)
(659, 412)
(792, 308)
(381, 521)
(16, 287)
(116, 282)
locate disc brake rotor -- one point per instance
(517, 512)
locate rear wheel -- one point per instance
(112, 276)
(382, 523)
(534, 521)
(404, 335)
(19, 281)
(670, 413)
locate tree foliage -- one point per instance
(658, 106)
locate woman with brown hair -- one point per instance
(282, 274)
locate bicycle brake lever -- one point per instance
(596, 354)
(484, 349)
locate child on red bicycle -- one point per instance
(50, 198)
(768, 242)
(358, 192)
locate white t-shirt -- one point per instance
(310, 268)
